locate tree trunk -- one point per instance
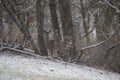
(55, 24)
(1, 23)
(68, 31)
(84, 21)
(40, 23)
(19, 22)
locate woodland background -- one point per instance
(80, 31)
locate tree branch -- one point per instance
(118, 11)
(88, 47)
(106, 56)
(114, 7)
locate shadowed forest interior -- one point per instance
(84, 32)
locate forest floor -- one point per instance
(17, 67)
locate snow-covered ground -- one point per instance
(28, 68)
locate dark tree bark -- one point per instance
(68, 31)
(40, 23)
(55, 24)
(84, 21)
(10, 35)
(1, 23)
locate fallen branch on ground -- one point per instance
(6, 46)
(20, 51)
(24, 51)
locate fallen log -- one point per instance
(26, 51)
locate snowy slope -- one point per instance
(24, 68)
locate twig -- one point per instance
(103, 33)
(23, 10)
(114, 7)
(111, 49)
(88, 32)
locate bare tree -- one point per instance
(68, 31)
(19, 22)
(53, 43)
(85, 26)
(1, 23)
(55, 25)
(40, 24)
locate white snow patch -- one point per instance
(24, 68)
